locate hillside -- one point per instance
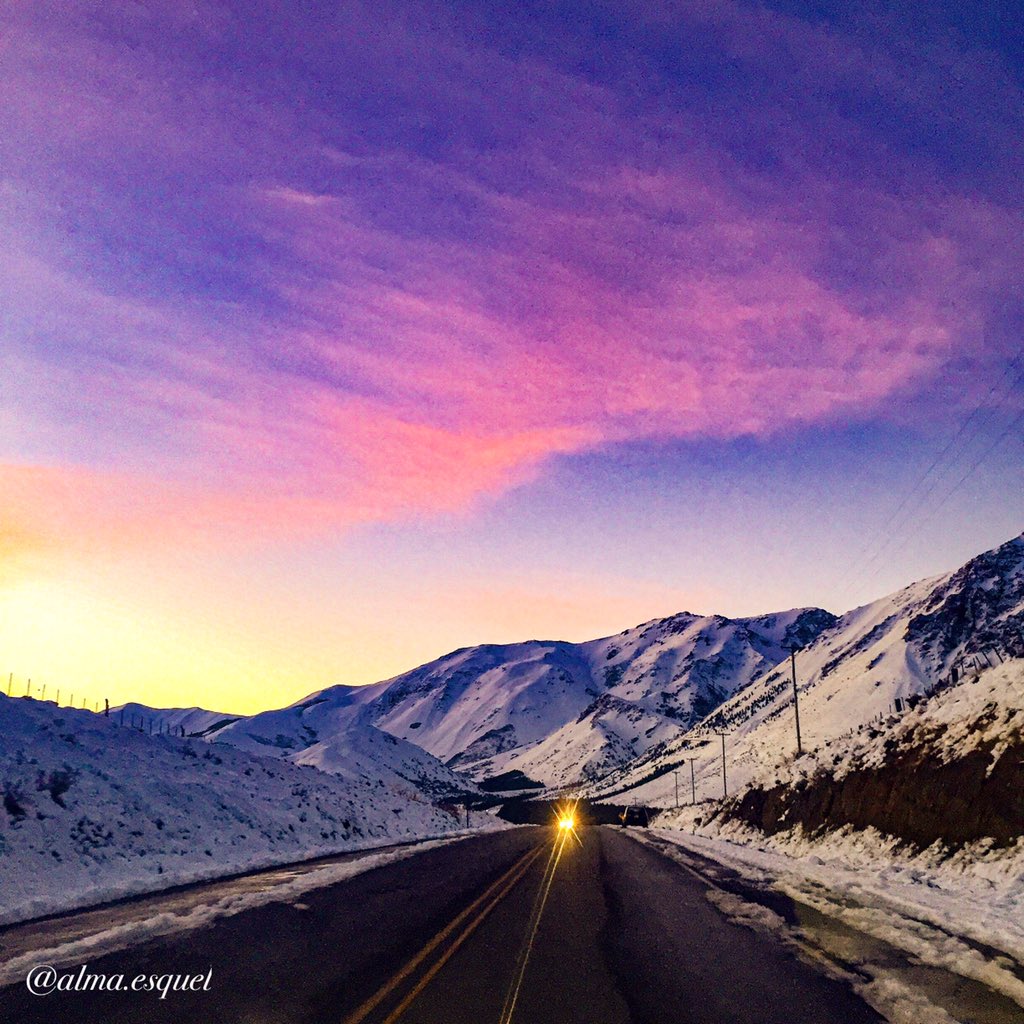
(872, 661)
(555, 711)
(92, 810)
(950, 770)
(334, 736)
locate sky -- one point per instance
(337, 336)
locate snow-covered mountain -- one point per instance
(617, 711)
(333, 735)
(333, 732)
(557, 712)
(854, 672)
(176, 721)
(92, 810)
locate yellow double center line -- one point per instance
(469, 920)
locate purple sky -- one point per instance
(336, 336)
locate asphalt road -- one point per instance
(462, 933)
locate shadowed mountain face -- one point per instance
(978, 607)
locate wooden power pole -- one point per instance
(793, 648)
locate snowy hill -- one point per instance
(557, 712)
(333, 733)
(861, 669)
(176, 721)
(949, 769)
(92, 810)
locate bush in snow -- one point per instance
(57, 782)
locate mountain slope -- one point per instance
(176, 721)
(898, 647)
(558, 712)
(92, 811)
(332, 732)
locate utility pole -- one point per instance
(43, 697)
(793, 648)
(725, 785)
(693, 782)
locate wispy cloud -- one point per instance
(301, 272)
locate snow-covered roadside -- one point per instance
(91, 812)
(962, 914)
(135, 927)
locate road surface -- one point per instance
(625, 936)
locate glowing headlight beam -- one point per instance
(512, 996)
(566, 822)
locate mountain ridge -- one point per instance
(554, 710)
(605, 711)
(896, 648)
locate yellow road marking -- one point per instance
(512, 996)
(491, 897)
(457, 942)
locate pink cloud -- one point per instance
(622, 274)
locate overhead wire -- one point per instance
(860, 570)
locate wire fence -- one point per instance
(65, 697)
(967, 667)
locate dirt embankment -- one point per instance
(913, 794)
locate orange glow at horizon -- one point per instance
(178, 632)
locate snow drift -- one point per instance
(93, 811)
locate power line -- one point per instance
(860, 574)
(1018, 420)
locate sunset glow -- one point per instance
(337, 339)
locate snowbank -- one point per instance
(92, 811)
(898, 924)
